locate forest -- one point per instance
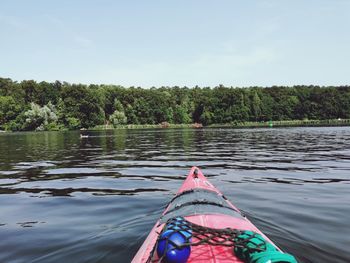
(30, 105)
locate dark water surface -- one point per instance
(66, 199)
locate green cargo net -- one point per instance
(179, 235)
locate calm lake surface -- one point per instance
(66, 199)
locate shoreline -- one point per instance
(286, 123)
(238, 125)
(264, 124)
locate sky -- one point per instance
(177, 43)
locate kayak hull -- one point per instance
(211, 219)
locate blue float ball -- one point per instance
(173, 254)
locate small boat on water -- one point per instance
(83, 136)
(200, 225)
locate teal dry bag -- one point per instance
(251, 247)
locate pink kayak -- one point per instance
(201, 204)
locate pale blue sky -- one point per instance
(183, 42)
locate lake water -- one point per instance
(66, 199)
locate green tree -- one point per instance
(73, 123)
(9, 109)
(181, 115)
(206, 117)
(118, 106)
(6, 86)
(118, 118)
(79, 102)
(131, 115)
(256, 106)
(30, 89)
(38, 118)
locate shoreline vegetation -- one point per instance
(241, 125)
(266, 124)
(43, 106)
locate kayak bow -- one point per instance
(201, 206)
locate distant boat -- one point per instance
(83, 136)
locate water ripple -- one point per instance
(94, 200)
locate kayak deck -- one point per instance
(199, 202)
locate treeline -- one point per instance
(31, 105)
